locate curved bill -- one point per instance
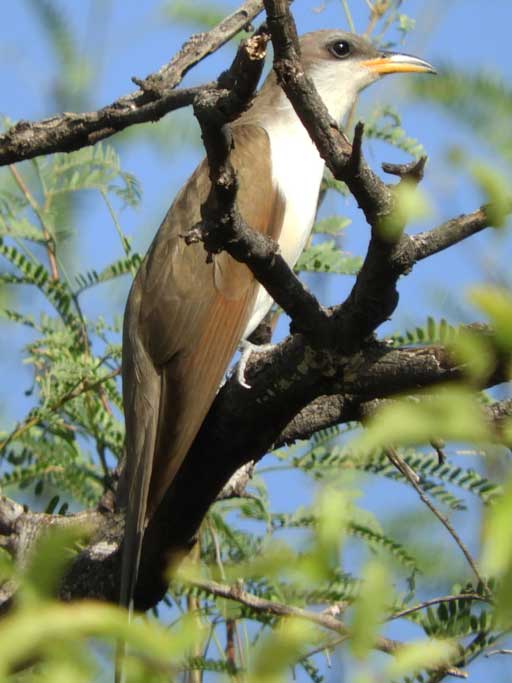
(397, 62)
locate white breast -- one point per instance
(297, 170)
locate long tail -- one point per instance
(141, 390)
(130, 562)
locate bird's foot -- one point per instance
(247, 349)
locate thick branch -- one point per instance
(293, 378)
(68, 132)
(223, 228)
(344, 160)
(401, 372)
(244, 425)
(290, 381)
(374, 296)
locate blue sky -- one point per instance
(124, 38)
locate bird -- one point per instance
(186, 315)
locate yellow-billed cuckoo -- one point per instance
(185, 317)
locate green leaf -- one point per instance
(369, 608)
(496, 303)
(53, 553)
(379, 540)
(476, 99)
(123, 266)
(90, 168)
(432, 332)
(496, 190)
(326, 257)
(497, 544)
(427, 654)
(205, 15)
(34, 631)
(476, 353)
(452, 414)
(333, 225)
(279, 650)
(385, 124)
(411, 204)
(330, 183)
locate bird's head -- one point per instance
(342, 64)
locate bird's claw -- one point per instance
(247, 349)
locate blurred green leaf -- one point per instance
(205, 15)
(280, 650)
(476, 353)
(414, 657)
(452, 413)
(333, 225)
(478, 99)
(326, 257)
(496, 190)
(411, 204)
(385, 124)
(369, 608)
(496, 303)
(497, 540)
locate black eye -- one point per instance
(340, 48)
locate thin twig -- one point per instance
(453, 231)
(348, 14)
(155, 98)
(330, 645)
(437, 601)
(400, 464)
(193, 608)
(447, 525)
(81, 387)
(280, 609)
(230, 643)
(50, 242)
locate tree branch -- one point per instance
(294, 388)
(451, 232)
(155, 98)
(402, 373)
(281, 389)
(323, 619)
(279, 609)
(446, 523)
(437, 601)
(222, 227)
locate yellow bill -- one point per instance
(396, 62)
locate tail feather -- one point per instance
(142, 392)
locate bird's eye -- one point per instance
(340, 48)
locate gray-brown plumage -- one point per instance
(185, 317)
(183, 322)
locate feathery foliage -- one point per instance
(477, 99)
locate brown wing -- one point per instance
(183, 322)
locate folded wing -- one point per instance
(183, 321)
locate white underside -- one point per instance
(297, 170)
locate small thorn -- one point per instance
(413, 171)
